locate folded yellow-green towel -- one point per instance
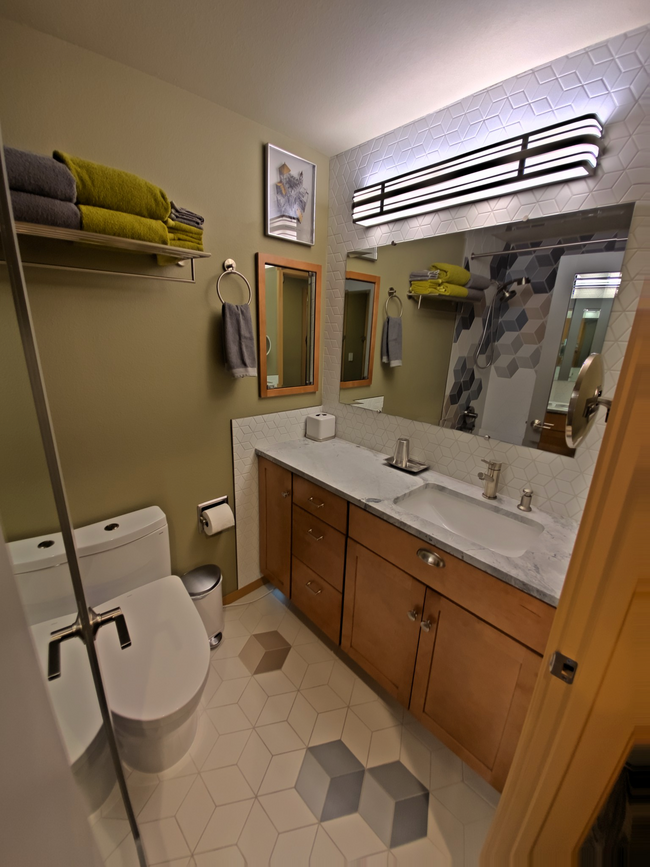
(115, 190)
(188, 238)
(181, 229)
(435, 287)
(106, 222)
(185, 244)
(451, 273)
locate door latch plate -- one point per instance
(562, 667)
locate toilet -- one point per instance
(154, 686)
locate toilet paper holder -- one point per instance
(202, 507)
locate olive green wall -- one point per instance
(416, 389)
(134, 371)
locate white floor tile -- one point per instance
(375, 715)
(342, 681)
(257, 840)
(356, 736)
(253, 700)
(480, 786)
(229, 692)
(282, 772)
(323, 698)
(254, 761)
(295, 667)
(205, 738)
(416, 757)
(212, 685)
(274, 682)
(195, 812)
(294, 848)
(361, 693)
(417, 854)
(228, 669)
(140, 794)
(126, 855)
(302, 717)
(269, 623)
(230, 718)
(287, 810)
(185, 768)
(289, 627)
(380, 859)
(313, 651)
(385, 746)
(228, 857)
(446, 832)
(306, 636)
(464, 803)
(475, 835)
(317, 674)
(227, 785)
(280, 738)
(235, 629)
(226, 750)
(277, 708)
(166, 799)
(329, 727)
(108, 834)
(422, 734)
(163, 841)
(353, 836)
(230, 646)
(224, 826)
(446, 769)
(324, 852)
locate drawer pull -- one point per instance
(285, 493)
(431, 558)
(425, 625)
(315, 538)
(317, 503)
(315, 592)
(412, 615)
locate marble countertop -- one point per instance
(360, 476)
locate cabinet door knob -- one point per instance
(285, 493)
(412, 615)
(431, 558)
(315, 538)
(315, 592)
(425, 625)
(317, 503)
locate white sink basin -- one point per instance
(483, 523)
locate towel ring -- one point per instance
(230, 267)
(392, 294)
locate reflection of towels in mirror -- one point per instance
(391, 341)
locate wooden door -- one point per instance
(275, 524)
(472, 686)
(381, 619)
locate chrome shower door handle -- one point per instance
(74, 630)
(114, 615)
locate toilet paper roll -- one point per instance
(217, 519)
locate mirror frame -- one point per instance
(263, 260)
(363, 278)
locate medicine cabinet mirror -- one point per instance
(288, 306)
(360, 305)
(501, 364)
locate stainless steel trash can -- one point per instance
(205, 586)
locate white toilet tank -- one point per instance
(115, 555)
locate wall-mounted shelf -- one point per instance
(416, 296)
(110, 244)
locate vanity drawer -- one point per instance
(317, 599)
(319, 546)
(321, 503)
(512, 611)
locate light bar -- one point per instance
(599, 284)
(561, 152)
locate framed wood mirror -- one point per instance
(288, 311)
(359, 329)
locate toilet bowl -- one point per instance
(153, 687)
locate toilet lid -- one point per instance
(169, 657)
(73, 694)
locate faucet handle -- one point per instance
(492, 464)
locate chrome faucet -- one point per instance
(491, 478)
(526, 497)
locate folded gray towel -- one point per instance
(238, 340)
(182, 215)
(391, 341)
(478, 282)
(39, 175)
(423, 275)
(48, 212)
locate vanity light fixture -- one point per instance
(561, 152)
(603, 284)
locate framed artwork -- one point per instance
(290, 196)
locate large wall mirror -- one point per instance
(288, 306)
(498, 361)
(359, 329)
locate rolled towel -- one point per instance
(238, 340)
(29, 208)
(39, 175)
(478, 282)
(451, 273)
(115, 190)
(391, 341)
(105, 222)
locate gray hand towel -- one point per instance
(39, 175)
(238, 340)
(48, 212)
(478, 282)
(391, 341)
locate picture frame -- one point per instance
(290, 197)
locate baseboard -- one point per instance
(244, 591)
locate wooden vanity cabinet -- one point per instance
(472, 686)
(275, 485)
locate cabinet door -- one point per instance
(275, 524)
(472, 686)
(381, 619)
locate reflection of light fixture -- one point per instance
(561, 152)
(600, 284)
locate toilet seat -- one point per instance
(160, 677)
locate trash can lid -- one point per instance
(201, 580)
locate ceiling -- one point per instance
(331, 73)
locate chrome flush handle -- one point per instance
(96, 621)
